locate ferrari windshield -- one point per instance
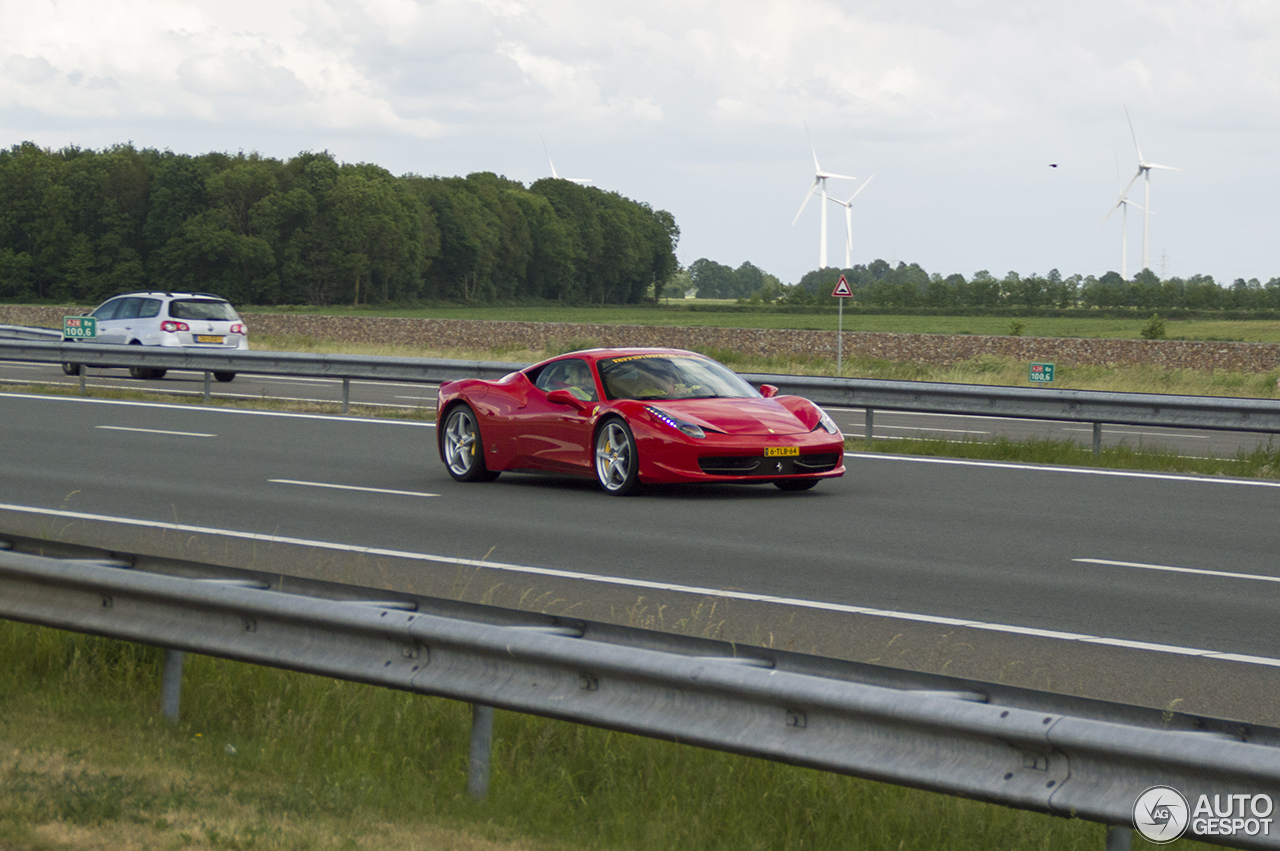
(670, 377)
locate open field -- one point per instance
(678, 313)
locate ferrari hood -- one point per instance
(736, 416)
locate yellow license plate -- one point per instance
(781, 451)
(205, 338)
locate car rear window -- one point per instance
(202, 308)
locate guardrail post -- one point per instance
(207, 376)
(84, 374)
(171, 685)
(1097, 439)
(1119, 838)
(346, 394)
(870, 417)
(481, 747)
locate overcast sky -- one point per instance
(700, 108)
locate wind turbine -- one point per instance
(819, 180)
(579, 180)
(1144, 171)
(848, 222)
(1124, 204)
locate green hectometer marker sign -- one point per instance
(1041, 372)
(84, 327)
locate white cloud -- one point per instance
(697, 106)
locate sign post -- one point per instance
(841, 292)
(79, 327)
(1041, 373)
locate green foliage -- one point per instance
(907, 288)
(81, 225)
(1154, 329)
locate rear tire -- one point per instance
(794, 484)
(617, 464)
(461, 448)
(71, 368)
(224, 377)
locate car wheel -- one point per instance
(224, 377)
(71, 368)
(142, 373)
(617, 465)
(462, 449)
(794, 484)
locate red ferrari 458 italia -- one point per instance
(635, 416)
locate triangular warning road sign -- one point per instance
(842, 288)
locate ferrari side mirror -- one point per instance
(768, 391)
(564, 397)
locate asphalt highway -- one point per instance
(1156, 590)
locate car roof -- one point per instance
(166, 294)
(594, 355)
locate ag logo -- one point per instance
(1160, 814)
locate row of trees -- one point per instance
(81, 225)
(879, 284)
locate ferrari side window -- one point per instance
(572, 375)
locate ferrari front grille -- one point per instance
(756, 465)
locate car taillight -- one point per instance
(239, 329)
(171, 326)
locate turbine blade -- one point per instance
(832, 174)
(1132, 133)
(862, 187)
(1165, 167)
(817, 169)
(548, 150)
(1129, 185)
(805, 202)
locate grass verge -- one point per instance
(1261, 463)
(267, 759)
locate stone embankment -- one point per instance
(939, 349)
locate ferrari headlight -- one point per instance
(683, 426)
(828, 424)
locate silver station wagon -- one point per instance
(190, 320)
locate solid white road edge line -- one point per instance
(1220, 574)
(156, 431)
(349, 487)
(1080, 471)
(665, 586)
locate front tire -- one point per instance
(71, 368)
(224, 377)
(794, 484)
(617, 465)
(461, 447)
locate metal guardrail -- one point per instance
(26, 332)
(1030, 750)
(1080, 406)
